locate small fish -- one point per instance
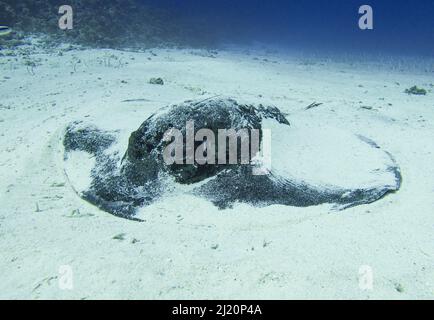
(5, 30)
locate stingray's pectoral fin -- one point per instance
(121, 209)
(96, 175)
(360, 197)
(364, 196)
(87, 138)
(239, 185)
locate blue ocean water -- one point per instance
(400, 26)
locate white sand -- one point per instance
(187, 248)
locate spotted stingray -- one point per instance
(308, 167)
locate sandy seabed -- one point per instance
(186, 248)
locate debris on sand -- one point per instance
(415, 90)
(313, 105)
(157, 81)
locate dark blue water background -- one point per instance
(400, 26)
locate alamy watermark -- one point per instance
(66, 280)
(366, 21)
(66, 21)
(366, 278)
(222, 151)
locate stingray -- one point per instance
(289, 165)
